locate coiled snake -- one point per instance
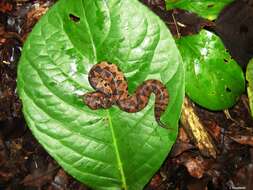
(112, 89)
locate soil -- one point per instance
(25, 165)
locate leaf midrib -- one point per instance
(115, 145)
(114, 140)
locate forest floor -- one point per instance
(227, 164)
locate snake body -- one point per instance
(112, 89)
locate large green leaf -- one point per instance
(208, 9)
(105, 149)
(213, 79)
(249, 77)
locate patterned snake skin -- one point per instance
(112, 89)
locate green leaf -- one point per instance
(105, 149)
(213, 79)
(208, 9)
(249, 77)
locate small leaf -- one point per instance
(208, 9)
(249, 77)
(105, 149)
(213, 79)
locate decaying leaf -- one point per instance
(194, 128)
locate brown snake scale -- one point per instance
(112, 89)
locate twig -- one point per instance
(176, 25)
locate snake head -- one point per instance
(104, 87)
(97, 100)
(102, 80)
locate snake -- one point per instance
(111, 88)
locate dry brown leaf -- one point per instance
(195, 167)
(196, 131)
(39, 177)
(243, 139)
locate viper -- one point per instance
(111, 88)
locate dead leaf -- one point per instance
(180, 147)
(60, 181)
(196, 131)
(39, 177)
(196, 165)
(156, 181)
(243, 139)
(5, 7)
